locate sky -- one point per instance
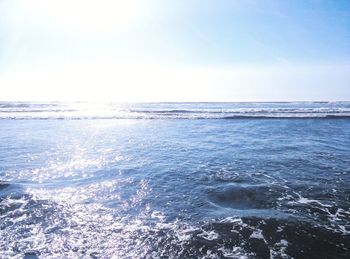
(174, 50)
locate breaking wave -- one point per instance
(334, 110)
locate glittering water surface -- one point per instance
(184, 188)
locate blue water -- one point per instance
(175, 180)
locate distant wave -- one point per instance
(181, 116)
(319, 110)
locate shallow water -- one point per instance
(208, 188)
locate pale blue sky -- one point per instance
(175, 50)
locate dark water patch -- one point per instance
(248, 197)
(275, 238)
(3, 185)
(30, 255)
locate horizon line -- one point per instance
(110, 101)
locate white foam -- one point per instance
(257, 234)
(235, 252)
(233, 220)
(303, 200)
(209, 235)
(279, 250)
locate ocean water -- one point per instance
(175, 180)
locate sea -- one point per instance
(175, 180)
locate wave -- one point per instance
(320, 110)
(171, 117)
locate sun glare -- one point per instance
(88, 15)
